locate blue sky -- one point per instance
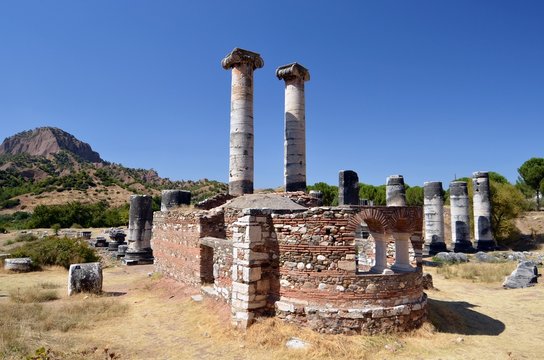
(426, 89)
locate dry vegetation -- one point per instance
(148, 317)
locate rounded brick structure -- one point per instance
(354, 304)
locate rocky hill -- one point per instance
(50, 166)
(48, 141)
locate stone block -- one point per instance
(18, 264)
(251, 274)
(346, 265)
(85, 278)
(285, 306)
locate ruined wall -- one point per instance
(176, 242)
(216, 267)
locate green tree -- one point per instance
(532, 174)
(414, 196)
(507, 202)
(330, 193)
(374, 193)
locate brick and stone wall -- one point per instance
(176, 242)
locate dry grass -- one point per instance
(477, 272)
(154, 318)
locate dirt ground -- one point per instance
(474, 320)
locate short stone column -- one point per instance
(171, 199)
(317, 195)
(243, 63)
(481, 201)
(295, 125)
(433, 208)
(402, 252)
(249, 288)
(380, 260)
(140, 224)
(460, 219)
(395, 194)
(348, 188)
(85, 278)
(417, 244)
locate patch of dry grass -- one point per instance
(477, 272)
(22, 322)
(33, 295)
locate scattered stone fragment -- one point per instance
(451, 257)
(486, 258)
(524, 275)
(18, 264)
(296, 344)
(427, 281)
(197, 298)
(85, 278)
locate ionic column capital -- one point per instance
(241, 56)
(291, 71)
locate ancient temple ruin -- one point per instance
(284, 255)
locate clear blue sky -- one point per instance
(427, 89)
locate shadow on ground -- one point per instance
(113, 293)
(457, 317)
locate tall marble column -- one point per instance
(243, 63)
(481, 201)
(348, 188)
(395, 194)
(433, 209)
(294, 76)
(460, 219)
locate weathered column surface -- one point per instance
(460, 219)
(395, 194)
(318, 195)
(433, 212)
(243, 63)
(380, 261)
(348, 188)
(171, 199)
(481, 201)
(402, 252)
(295, 125)
(140, 224)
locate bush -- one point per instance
(57, 251)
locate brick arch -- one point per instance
(407, 219)
(374, 218)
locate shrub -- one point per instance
(57, 251)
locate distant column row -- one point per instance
(460, 216)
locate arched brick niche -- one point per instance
(319, 285)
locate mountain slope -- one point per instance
(50, 166)
(47, 141)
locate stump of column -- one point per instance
(481, 201)
(318, 195)
(294, 76)
(243, 63)
(348, 188)
(171, 199)
(395, 194)
(140, 224)
(433, 208)
(460, 218)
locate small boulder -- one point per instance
(486, 258)
(451, 257)
(18, 264)
(524, 275)
(427, 281)
(85, 278)
(296, 343)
